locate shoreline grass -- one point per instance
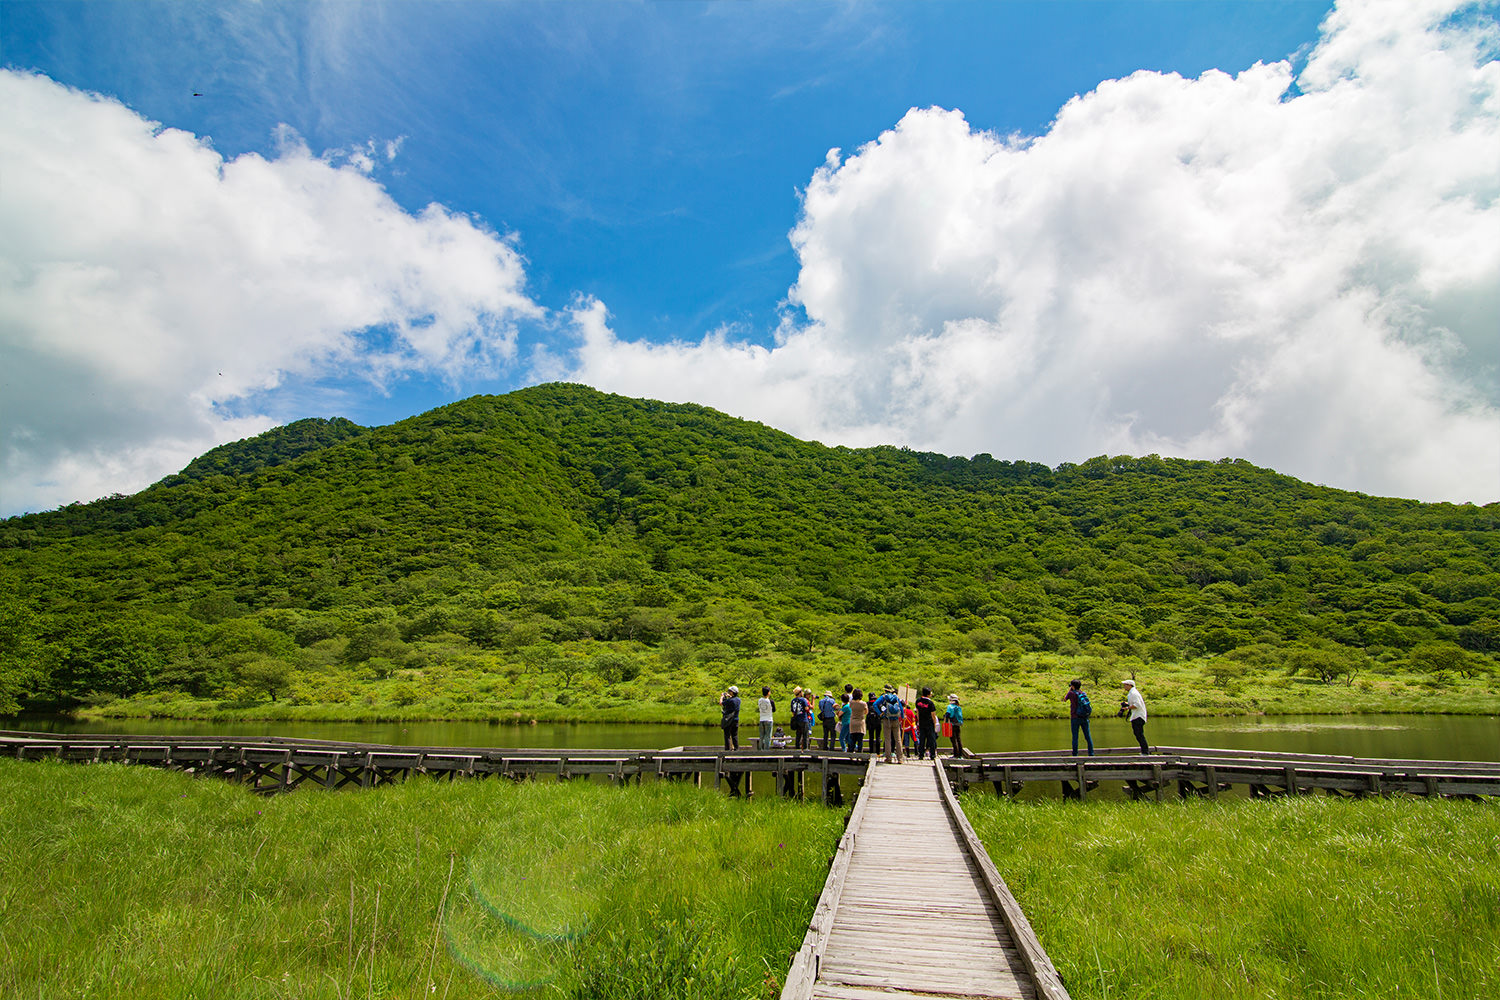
(992, 686)
(1304, 897)
(145, 883)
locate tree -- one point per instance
(811, 632)
(676, 653)
(616, 667)
(117, 657)
(265, 675)
(1434, 657)
(1327, 665)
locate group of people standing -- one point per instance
(848, 722)
(1080, 710)
(860, 723)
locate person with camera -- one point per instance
(1135, 706)
(729, 721)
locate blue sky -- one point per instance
(630, 177)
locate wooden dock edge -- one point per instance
(1049, 984)
(803, 972)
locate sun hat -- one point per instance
(733, 689)
(1128, 682)
(889, 688)
(953, 697)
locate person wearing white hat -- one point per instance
(1136, 706)
(729, 706)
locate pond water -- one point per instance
(1420, 737)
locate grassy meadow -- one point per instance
(1289, 898)
(637, 685)
(134, 882)
(130, 881)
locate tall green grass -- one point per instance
(1289, 898)
(133, 882)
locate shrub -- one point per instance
(1160, 652)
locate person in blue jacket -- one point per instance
(827, 715)
(954, 716)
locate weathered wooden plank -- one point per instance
(1044, 976)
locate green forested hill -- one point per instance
(557, 537)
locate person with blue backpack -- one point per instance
(801, 717)
(1079, 711)
(890, 709)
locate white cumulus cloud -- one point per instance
(150, 289)
(1301, 268)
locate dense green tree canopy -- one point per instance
(560, 514)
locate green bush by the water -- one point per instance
(133, 882)
(1303, 897)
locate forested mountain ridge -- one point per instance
(576, 534)
(275, 447)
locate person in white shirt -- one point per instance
(767, 709)
(1137, 708)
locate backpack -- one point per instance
(799, 708)
(1084, 708)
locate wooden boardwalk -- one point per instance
(914, 908)
(1207, 772)
(279, 764)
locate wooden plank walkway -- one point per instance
(913, 907)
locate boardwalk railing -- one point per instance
(273, 764)
(805, 964)
(1048, 983)
(1207, 772)
(277, 764)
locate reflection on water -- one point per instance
(1296, 727)
(1429, 737)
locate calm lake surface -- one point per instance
(1420, 737)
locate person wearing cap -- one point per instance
(1136, 705)
(926, 725)
(888, 706)
(729, 707)
(827, 710)
(801, 717)
(954, 716)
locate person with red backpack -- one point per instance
(1079, 711)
